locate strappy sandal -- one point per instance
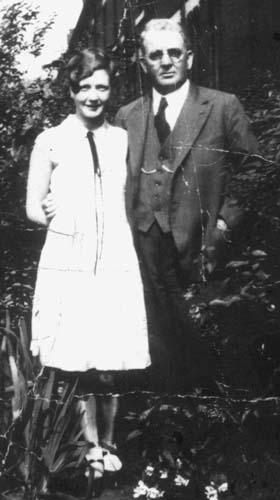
(95, 460)
(112, 463)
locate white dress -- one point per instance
(88, 309)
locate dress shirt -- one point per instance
(175, 102)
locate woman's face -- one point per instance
(92, 96)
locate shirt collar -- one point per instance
(80, 130)
(174, 99)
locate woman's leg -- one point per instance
(89, 420)
(109, 406)
(89, 425)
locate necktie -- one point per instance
(96, 165)
(161, 124)
(98, 200)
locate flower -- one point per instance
(163, 474)
(179, 463)
(211, 493)
(154, 493)
(149, 470)
(223, 487)
(181, 481)
(140, 490)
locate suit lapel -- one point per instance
(188, 126)
(137, 129)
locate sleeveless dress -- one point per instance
(88, 308)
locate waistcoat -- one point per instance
(155, 184)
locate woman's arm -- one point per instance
(38, 184)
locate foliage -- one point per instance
(41, 431)
(25, 109)
(238, 308)
(162, 483)
(204, 442)
(241, 298)
(208, 447)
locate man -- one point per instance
(182, 139)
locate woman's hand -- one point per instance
(49, 206)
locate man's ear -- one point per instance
(72, 95)
(190, 59)
(142, 61)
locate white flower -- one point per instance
(223, 487)
(181, 481)
(140, 490)
(179, 463)
(154, 493)
(211, 493)
(149, 470)
(163, 474)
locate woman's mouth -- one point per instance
(93, 107)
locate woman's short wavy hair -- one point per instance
(83, 64)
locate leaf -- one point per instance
(169, 457)
(17, 399)
(244, 290)
(46, 396)
(24, 347)
(54, 459)
(262, 275)
(134, 434)
(226, 302)
(259, 253)
(237, 263)
(57, 465)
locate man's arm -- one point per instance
(243, 154)
(119, 119)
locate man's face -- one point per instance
(166, 59)
(92, 96)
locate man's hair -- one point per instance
(83, 64)
(165, 25)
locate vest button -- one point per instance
(160, 157)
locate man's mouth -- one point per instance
(167, 74)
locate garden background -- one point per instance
(225, 439)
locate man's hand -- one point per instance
(215, 252)
(49, 206)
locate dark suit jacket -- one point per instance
(211, 134)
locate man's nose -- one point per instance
(166, 60)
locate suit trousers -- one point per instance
(178, 356)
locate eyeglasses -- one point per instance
(175, 55)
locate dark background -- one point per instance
(237, 45)
(230, 432)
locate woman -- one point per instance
(88, 310)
